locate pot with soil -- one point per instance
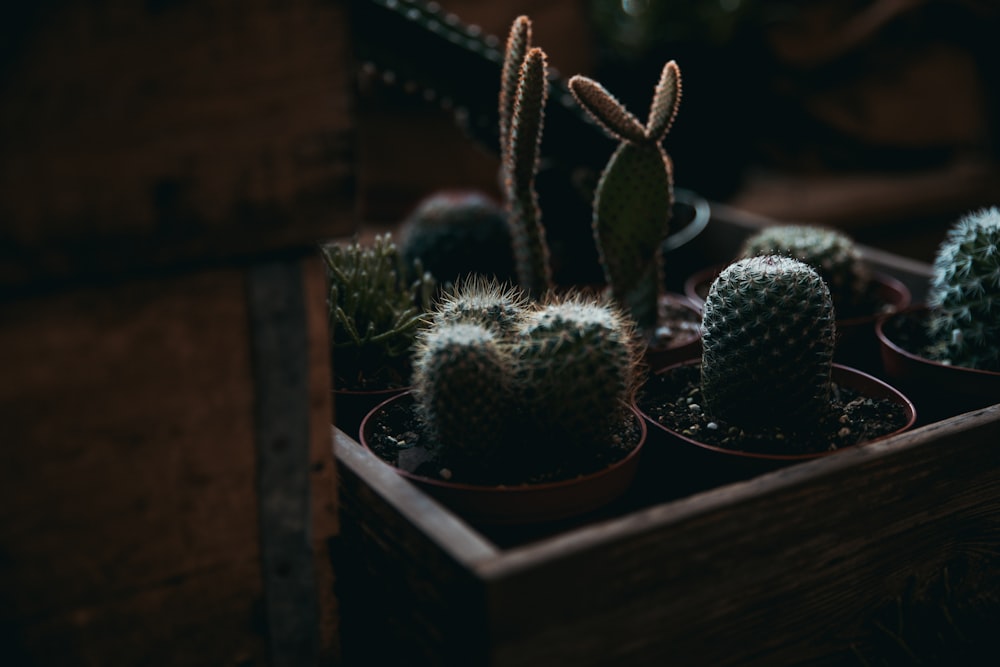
(946, 354)
(860, 295)
(374, 315)
(765, 392)
(521, 411)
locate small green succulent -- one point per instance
(964, 297)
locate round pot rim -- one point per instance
(542, 487)
(838, 369)
(370, 392)
(918, 309)
(702, 214)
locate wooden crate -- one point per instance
(812, 564)
(167, 489)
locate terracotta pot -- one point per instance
(696, 465)
(939, 390)
(527, 503)
(857, 344)
(350, 407)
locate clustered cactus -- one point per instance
(374, 314)
(767, 343)
(523, 94)
(491, 360)
(634, 196)
(832, 253)
(964, 297)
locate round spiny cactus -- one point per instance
(964, 297)
(634, 197)
(462, 384)
(832, 253)
(482, 301)
(578, 368)
(767, 343)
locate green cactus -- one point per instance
(578, 368)
(374, 315)
(964, 296)
(832, 253)
(462, 384)
(767, 343)
(482, 301)
(523, 94)
(634, 196)
(455, 233)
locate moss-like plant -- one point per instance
(831, 252)
(964, 297)
(767, 343)
(374, 313)
(634, 196)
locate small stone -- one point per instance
(844, 432)
(445, 473)
(694, 407)
(712, 426)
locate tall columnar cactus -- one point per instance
(523, 94)
(831, 252)
(767, 343)
(374, 314)
(964, 297)
(634, 196)
(462, 383)
(578, 368)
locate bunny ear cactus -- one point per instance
(964, 297)
(579, 368)
(634, 196)
(832, 253)
(523, 94)
(768, 340)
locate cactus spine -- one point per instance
(768, 339)
(482, 301)
(579, 364)
(964, 297)
(523, 94)
(634, 196)
(830, 252)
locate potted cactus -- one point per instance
(374, 315)
(521, 410)
(765, 391)
(946, 353)
(860, 295)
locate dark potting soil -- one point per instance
(674, 400)
(677, 326)
(398, 437)
(909, 332)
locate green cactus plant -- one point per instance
(634, 195)
(563, 372)
(523, 94)
(578, 368)
(374, 314)
(832, 253)
(463, 386)
(964, 296)
(767, 343)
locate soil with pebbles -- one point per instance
(674, 400)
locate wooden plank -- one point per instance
(783, 569)
(128, 517)
(142, 134)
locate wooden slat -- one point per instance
(783, 569)
(128, 511)
(140, 134)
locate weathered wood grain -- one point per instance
(128, 501)
(142, 134)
